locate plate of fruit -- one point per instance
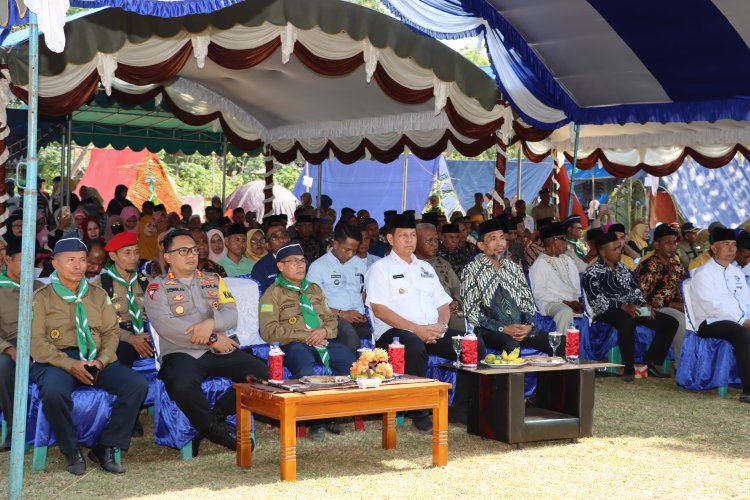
(505, 360)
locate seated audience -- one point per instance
(235, 263)
(265, 270)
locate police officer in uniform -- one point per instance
(126, 287)
(74, 336)
(294, 313)
(407, 301)
(9, 301)
(190, 311)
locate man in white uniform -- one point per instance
(554, 279)
(721, 302)
(407, 301)
(341, 276)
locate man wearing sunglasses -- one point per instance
(191, 311)
(554, 278)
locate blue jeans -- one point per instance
(300, 358)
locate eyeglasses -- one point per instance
(258, 242)
(294, 262)
(279, 236)
(183, 251)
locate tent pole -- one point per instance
(404, 180)
(68, 157)
(18, 443)
(518, 173)
(307, 174)
(223, 171)
(577, 129)
(320, 185)
(63, 163)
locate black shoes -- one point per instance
(316, 432)
(655, 372)
(745, 397)
(422, 420)
(75, 464)
(333, 427)
(105, 457)
(628, 377)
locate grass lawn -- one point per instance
(650, 440)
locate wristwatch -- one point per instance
(212, 339)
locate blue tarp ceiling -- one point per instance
(706, 195)
(599, 61)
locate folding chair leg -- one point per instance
(39, 459)
(118, 456)
(723, 391)
(3, 431)
(400, 419)
(359, 423)
(666, 366)
(150, 410)
(614, 357)
(186, 452)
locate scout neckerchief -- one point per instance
(578, 247)
(133, 308)
(311, 318)
(6, 282)
(86, 345)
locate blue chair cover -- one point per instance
(92, 408)
(706, 363)
(437, 372)
(597, 340)
(171, 426)
(147, 368)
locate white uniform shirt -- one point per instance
(719, 293)
(342, 284)
(372, 259)
(411, 290)
(554, 279)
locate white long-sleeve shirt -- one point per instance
(719, 293)
(554, 279)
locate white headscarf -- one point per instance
(216, 257)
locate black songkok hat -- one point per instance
(430, 218)
(451, 228)
(551, 230)
(237, 229)
(606, 238)
(403, 221)
(490, 226)
(593, 233)
(620, 228)
(663, 230)
(292, 248)
(722, 234)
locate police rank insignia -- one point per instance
(215, 304)
(293, 320)
(170, 282)
(54, 334)
(179, 310)
(178, 297)
(213, 293)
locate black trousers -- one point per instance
(504, 342)
(7, 383)
(55, 389)
(417, 352)
(665, 327)
(183, 375)
(349, 334)
(739, 337)
(126, 354)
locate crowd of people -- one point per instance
(328, 280)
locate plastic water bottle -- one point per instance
(572, 336)
(396, 353)
(275, 364)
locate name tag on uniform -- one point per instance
(398, 276)
(426, 274)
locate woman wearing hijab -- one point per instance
(256, 245)
(42, 233)
(130, 216)
(91, 230)
(113, 227)
(119, 202)
(148, 238)
(216, 248)
(637, 238)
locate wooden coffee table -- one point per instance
(292, 407)
(563, 406)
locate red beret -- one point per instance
(124, 239)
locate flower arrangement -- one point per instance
(372, 364)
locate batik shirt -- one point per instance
(606, 289)
(458, 258)
(495, 297)
(660, 282)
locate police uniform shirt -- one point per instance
(53, 327)
(9, 300)
(120, 303)
(175, 304)
(281, 317)
(720, 294)
(342, 284)
(411, 290)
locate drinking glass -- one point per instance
(457, 342)
(555, 338)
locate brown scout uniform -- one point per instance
(120, 302)
(53, 327)
(9, 303)
(281, 318)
